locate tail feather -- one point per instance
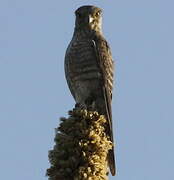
(111, 162)
(108, 110)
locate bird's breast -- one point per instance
(82, 61)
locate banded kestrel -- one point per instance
(89, 68)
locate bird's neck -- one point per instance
(86, 32)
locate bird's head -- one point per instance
(89, 17)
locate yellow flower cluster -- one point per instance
(81, 148)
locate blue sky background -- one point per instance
(33, 92)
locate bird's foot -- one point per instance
(80, 106)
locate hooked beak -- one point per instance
(90, 19)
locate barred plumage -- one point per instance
(89, 68)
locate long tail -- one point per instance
(103, 106)
(108, 110)
(111, 161)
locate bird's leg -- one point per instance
(93, 105)
(77, 105)
(90, 103)
(80, 106)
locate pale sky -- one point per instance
(33, 38)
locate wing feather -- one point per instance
(105, 63)
(68, 72)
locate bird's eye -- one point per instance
(78, 15)
(97, 13)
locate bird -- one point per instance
(89, 68)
